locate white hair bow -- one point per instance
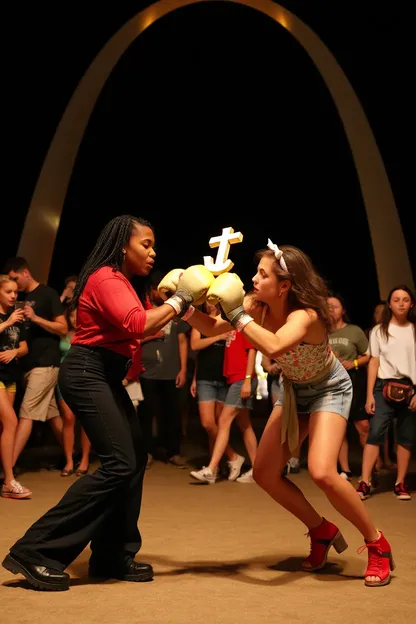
(279, 254)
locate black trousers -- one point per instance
(162, 401)
(101, 508)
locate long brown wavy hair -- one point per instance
(308, 288)
(387, 312)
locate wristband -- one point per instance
(239, 318)
(175, 302)
(356, 364)
(247, 377)
(242, 321)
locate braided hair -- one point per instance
(108, 250)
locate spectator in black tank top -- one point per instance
(208, 384)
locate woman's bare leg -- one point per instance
(223, 436)
(326, 432)
(343, 456)
(8, 420)
(209, 413)
(249, 437)
(271, 459)
(68, 434)
(85, 448)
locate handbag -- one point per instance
(397, 393)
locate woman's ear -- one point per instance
(284, 287)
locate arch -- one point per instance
(43, 218)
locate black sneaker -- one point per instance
(364, 490)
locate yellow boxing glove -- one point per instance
(228, 291)
(168, 285)
(194, 283)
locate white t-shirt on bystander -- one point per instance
(397, 355)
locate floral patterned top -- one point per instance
(305, 361)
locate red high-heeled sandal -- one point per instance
(380, 561)
(322, 538)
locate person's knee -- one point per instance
(127, 468)
(406, 431)
(243, 426)
(406, 439)
(208, 424)
(225, 419)
(9, 423)
(322, 475)
(24, 422)
(67, 419)
(362, 426)
(406, 444)
(376, 432)
(120, 469)
(264, 475)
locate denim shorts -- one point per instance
(332, 394)
(384, 413)
(211, 391)
(234, 397)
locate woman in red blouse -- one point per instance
(103, 507)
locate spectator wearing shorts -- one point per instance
(46, 324)
(241, 379)
(13, 346)
(393, 360)
(208, 384)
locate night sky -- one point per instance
(218, 117)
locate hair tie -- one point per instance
(278, 254)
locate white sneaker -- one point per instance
(247, 477)
(235, 467)
(205, 475)
(293, 465)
